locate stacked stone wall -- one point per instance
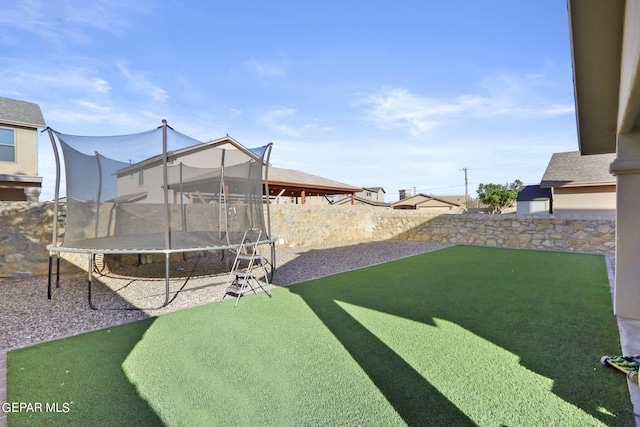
(27, 229)
(297, 225)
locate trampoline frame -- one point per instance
(56, 249)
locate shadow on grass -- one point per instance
(551, 310)
(109, 400)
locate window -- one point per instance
(7, 145)
(141, 178)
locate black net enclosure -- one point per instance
(158, 191)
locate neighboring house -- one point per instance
(532, 199)
(359, 201)
(421, 201)
(19, 123)
(405, 193)
(458, 200)
(375, 194)
(581, 184)
(288, 186)
(139, 181)
(369, 196)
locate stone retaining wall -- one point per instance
(299, 226)
(27, 229)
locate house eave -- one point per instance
(596, 32)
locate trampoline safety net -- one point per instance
(159, 190)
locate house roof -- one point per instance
(533, 192)
(457, 200)
(374, 189)
(20, 113)
(423, 199)
(596, 31)
(192, 149)
(357, 200)
(574, 170)
(293, 182)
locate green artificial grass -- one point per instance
(460, 336)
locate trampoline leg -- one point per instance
(89, 286)
(49, 279)
(273, 261)
(89, 283)
(50, 290)
(166, 276)
(58, 271)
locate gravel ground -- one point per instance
(28, 317)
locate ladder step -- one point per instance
(242, 274)
(249, 257)
(235, 290)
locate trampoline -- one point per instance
(157, 192)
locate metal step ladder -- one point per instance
(248, 271)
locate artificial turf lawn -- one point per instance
(460, 336)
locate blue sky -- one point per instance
(401, 94)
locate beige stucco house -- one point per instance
(19, 123)
(375, 194)
(369, 196)
(437, 204)
(581, 184)
(605, 48)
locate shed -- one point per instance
(533, 199)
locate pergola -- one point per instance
(292, 183)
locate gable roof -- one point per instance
(422, 199)
(533, 192)
(574, 170)
(20, 113)
(374, 189)
(359, 201)
(192, 149)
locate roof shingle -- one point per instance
(572, 169)
(20, 113)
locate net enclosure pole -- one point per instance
(165, 182)
(54, 238)
(266, 188)
(98, 201)
(167, 235)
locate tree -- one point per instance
(497, 196)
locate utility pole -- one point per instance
(466, 186)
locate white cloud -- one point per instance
(60, 22)
(266, 69)
(140, 83)
(526, 96)
(286, 121)
(72, 79)
(397, 108)
(519, 97)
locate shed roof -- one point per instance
(571, 169)
(533, 192)
(20, 113)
